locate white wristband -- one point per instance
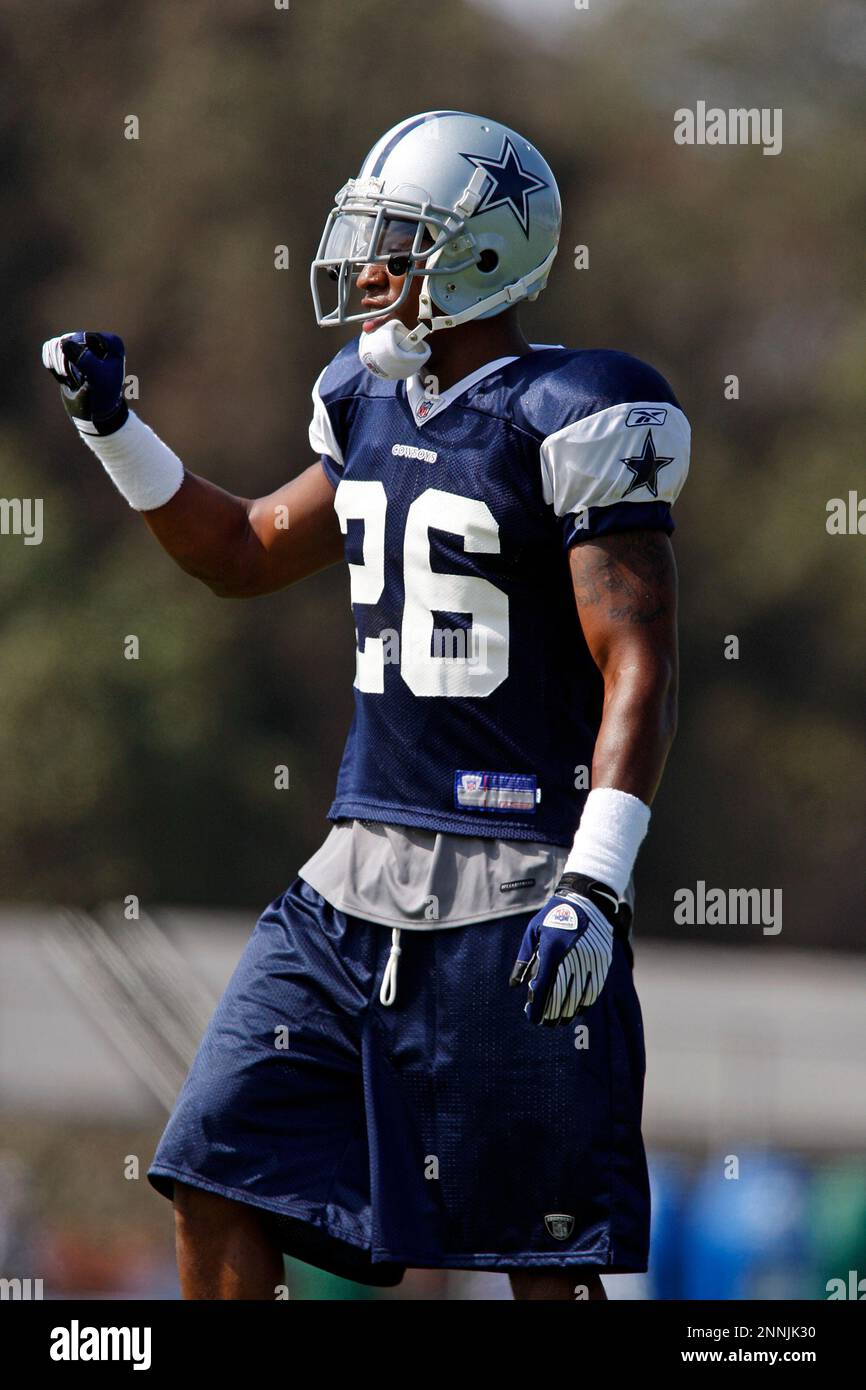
(143, 469)
(608, 838)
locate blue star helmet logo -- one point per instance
(509, 184)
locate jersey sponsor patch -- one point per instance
(646, 415)
(496, 791)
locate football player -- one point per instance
(504, 508)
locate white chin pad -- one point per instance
(386, 351)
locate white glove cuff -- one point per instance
(143, 469)
(608, 838)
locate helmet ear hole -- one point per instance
(488, 260)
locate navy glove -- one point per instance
(90, 368)
(567, 949)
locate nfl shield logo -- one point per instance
(559, 1225)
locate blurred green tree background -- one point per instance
(156, 776)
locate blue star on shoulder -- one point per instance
(645, 467)
(509, 184)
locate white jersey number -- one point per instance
(433, 661)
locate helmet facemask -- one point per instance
(403, 234)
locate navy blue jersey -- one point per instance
(477, 703)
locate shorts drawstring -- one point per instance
(388, 992)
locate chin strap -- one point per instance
(509, 294)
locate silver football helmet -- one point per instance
(462, 202)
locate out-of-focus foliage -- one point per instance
(156, 776)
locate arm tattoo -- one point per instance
(631, 572)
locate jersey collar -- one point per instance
(424, 406)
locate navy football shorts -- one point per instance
(442, 1132)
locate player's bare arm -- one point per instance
(625, 587)
(240, 548)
